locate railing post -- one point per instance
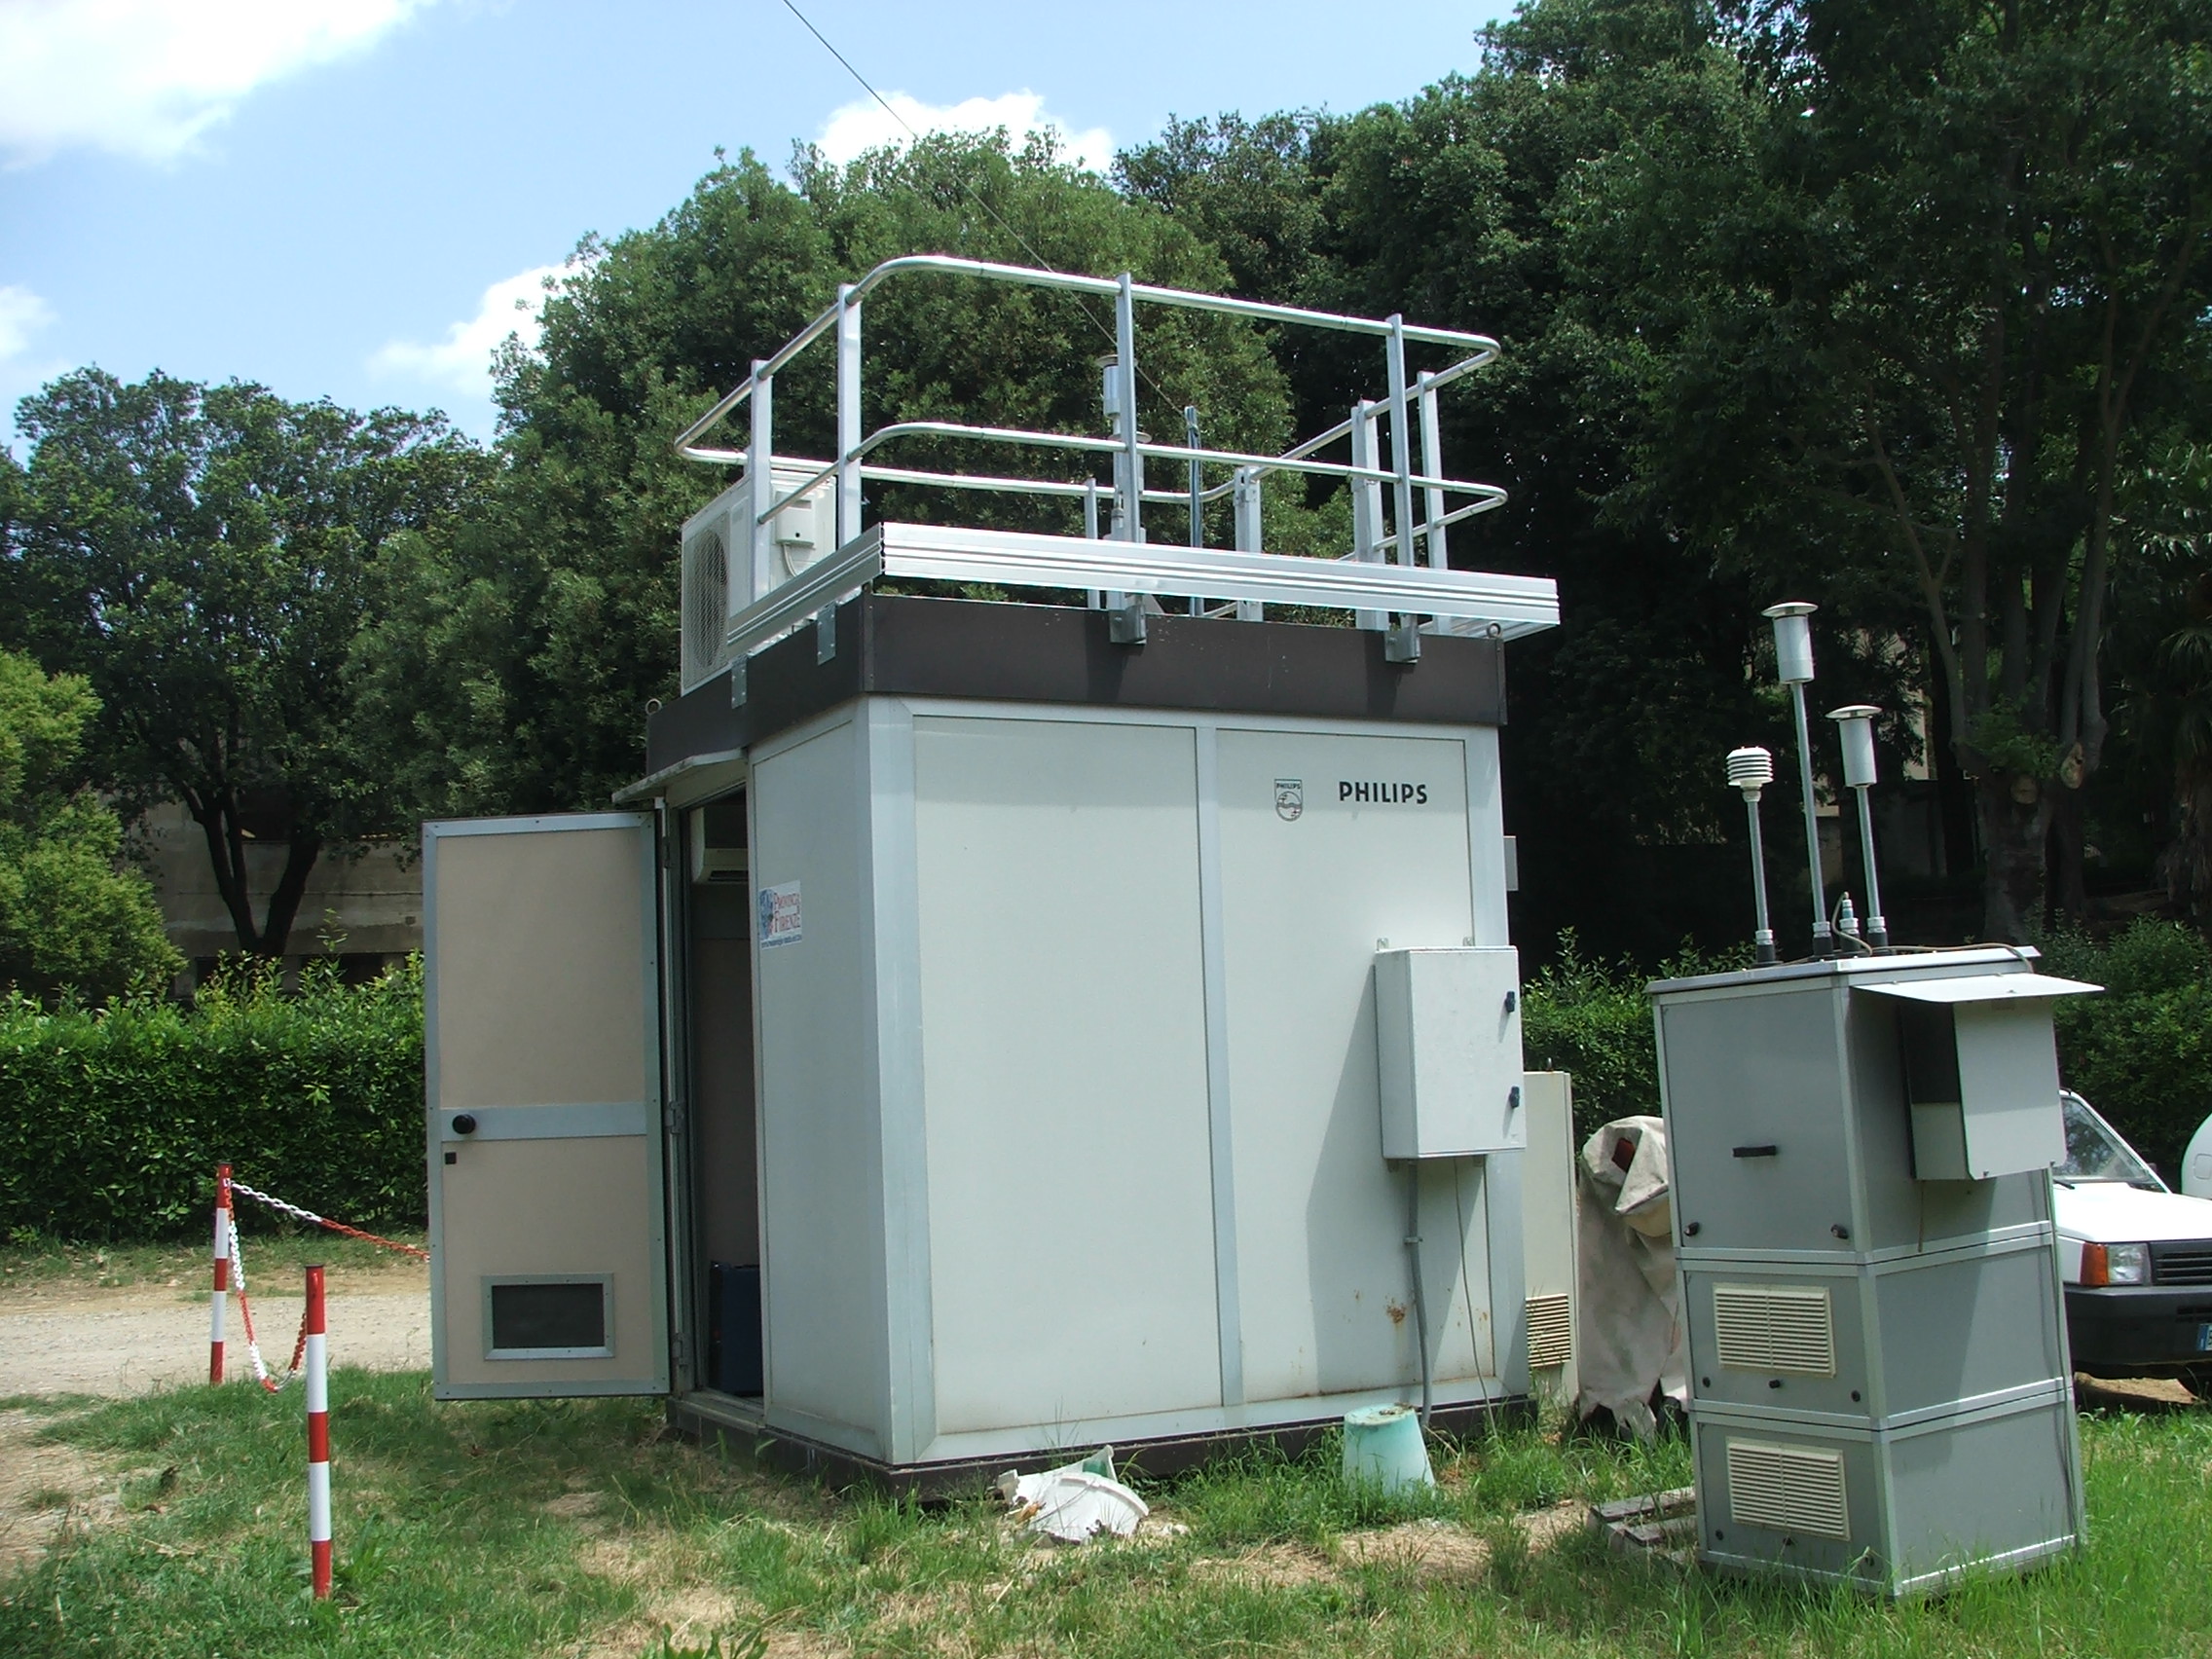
(1090, 527)
(848, 415)
(1432, 463)
(1126, 371)
(1245, 501)
(1197, 482)
(1366, 503)
(219, 1297)
(1404, 641)
(760, 481)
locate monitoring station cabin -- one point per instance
(996, 1027)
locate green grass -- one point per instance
(577, 1527)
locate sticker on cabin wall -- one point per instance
(780, 921)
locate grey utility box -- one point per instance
(1448, 1041)
(1880, 1392)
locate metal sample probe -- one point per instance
(1856, 723)
(1750, 770)
(1793, 667)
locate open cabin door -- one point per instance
(541, 1036)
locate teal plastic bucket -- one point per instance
(1383, 1447)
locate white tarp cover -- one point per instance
(1628, 1333)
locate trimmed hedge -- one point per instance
(113, 1120)
(2141, 1054)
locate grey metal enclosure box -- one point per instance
(1448, 1029)
(1880, 1390)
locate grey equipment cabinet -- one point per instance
(1880, 1392)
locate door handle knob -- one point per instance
(465, 1123)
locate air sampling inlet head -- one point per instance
(1856, 723)
(1749, 769)
(1792, 641)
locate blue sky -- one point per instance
(345, 197)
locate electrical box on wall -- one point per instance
(1982, 1073)
(1447, 1043)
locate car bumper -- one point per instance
(2139, 1330)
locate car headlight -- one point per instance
(2116, 1264)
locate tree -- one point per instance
(201, 556)
(1456, 207)
(1902, 324)
(513, 660)
(68, 917)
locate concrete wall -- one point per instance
(375, 900)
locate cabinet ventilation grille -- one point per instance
(1787, 1489)
(1551, 1330)
(1787, 1328)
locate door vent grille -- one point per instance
(1787, 1328)
(1551, 1330)
(1787, 1489)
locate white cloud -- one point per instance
(461, 362)
(867, 126)
(146, 78)
(22, 313)
(24, 316)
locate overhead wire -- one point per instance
(974, 195)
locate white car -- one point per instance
(2136, 1257)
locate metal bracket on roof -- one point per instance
(1126, 620)
(1402, 641)
(737, 680)
(826, 634)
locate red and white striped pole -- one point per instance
(221, 1295)
(317, 1361)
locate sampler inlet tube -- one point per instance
(1793, 667)
(1856, 724)
(1750, 770)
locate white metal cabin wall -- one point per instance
(823, 1187)
(1071, 1231)
(1306, 899)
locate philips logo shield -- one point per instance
(1290, 798)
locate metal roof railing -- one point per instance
(1401, 537)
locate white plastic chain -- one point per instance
(261, 1372)
(276, 1205)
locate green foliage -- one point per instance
(2141, 1054)
(1592, 1021)
(510, 662)
(68, 917)
(112, 1122)
(202, 555)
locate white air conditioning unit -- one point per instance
(717, 560)
(717, 843)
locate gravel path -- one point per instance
(77, 1341)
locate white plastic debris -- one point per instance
(1075, 1501)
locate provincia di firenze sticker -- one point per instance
(781, 919)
